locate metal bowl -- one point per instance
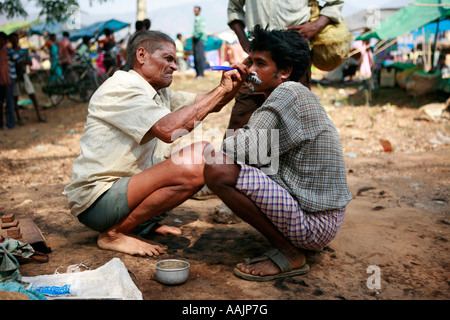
(172, 272)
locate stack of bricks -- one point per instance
(10, 227)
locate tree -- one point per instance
(55, 10)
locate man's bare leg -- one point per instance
(151, 193)
(222, 178)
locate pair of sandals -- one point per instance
(280, 260)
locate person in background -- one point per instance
(199, 39)
(147, 24)
(84, 50)
(139, 25)
(23, 83)
(13, 59)
(108, 42)
(366, 60)
(181, 57)
(5, 81)
(105, 46)
(66, 51)
(56, 71)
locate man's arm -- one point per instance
(239, 29)
(236, 21)
(186, 118)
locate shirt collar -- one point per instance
(147, 86)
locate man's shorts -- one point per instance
(24, 87)
(309, 231)
(111, 208)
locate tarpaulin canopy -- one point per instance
(409, 18)
(15, 26)
(97, 29)
(431, 28)
(50, 27)
(213, 43)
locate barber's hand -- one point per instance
(232, 80)
(310, 29)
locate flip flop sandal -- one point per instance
(280, 260)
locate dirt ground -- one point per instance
(398, 220)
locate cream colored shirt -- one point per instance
(116, 143)
(279, 14)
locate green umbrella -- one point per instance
(15, 26)
(409, 18)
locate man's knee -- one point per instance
(191, 161)
(220, 173)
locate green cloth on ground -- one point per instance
(13, 286)
(9, 250)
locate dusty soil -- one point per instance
(398, 219)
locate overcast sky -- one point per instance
(176, 16)
(120, 6)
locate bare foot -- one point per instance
(268, 267)
(129, 243)
(163, 229)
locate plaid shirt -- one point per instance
(308, 152)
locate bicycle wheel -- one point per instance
(49, 94)
(72, 79)
(88, 84)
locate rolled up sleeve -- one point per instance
(333, 10)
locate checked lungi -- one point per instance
(305, 230)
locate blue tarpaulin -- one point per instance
(409, 18)
(94, 29)
(49, 27)
(213, 43)
(97, 28)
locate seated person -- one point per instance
(119, 182)
(296, 198)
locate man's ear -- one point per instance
(140, 55)
(285, 73)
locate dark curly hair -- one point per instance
(288, 49)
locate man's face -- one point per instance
(159, 66)
(261, 63)
(196, 11)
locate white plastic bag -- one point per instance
(110, 281)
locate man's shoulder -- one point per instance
(290, 87)
(125, 77)
(124, 82)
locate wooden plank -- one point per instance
(31, 234)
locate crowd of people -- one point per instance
(105, 53)
(56, 55)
